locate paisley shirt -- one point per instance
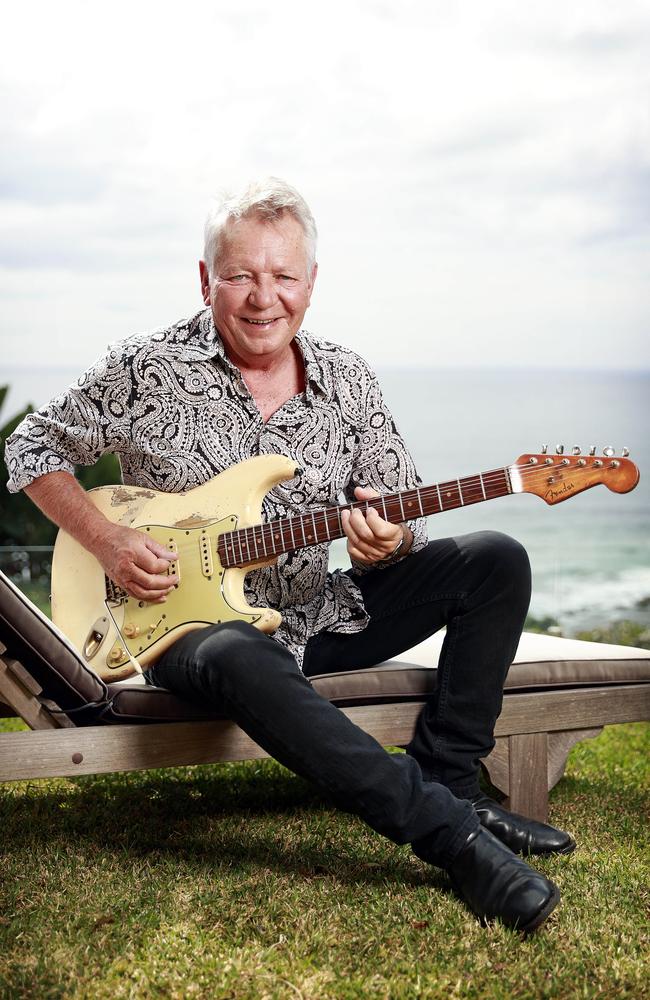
(177, 412)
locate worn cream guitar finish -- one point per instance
(216, 531)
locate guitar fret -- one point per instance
(327, 526)
(482, 485)
(460, 493)
(241, 554)
(313, 521)
(418, 493)
(401, 506)
(383, 501)
(263, 539)
(276, 538)
(293, 537)
(439, 497)
(254, 532)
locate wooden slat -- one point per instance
(23, 676)
(579, 708)
(101, 749)
(21, 696)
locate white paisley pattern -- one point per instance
(177, 412)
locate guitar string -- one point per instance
(322, 518)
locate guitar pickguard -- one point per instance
(201, 597)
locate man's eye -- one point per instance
(287, 278)
(238, 277)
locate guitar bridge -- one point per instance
(114, 594)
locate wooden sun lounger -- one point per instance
(558, 692)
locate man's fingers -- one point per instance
(159, 550)
(370, 528)
(359, 527)
(152, 563)
(365, 554)
(150, 596)
(150, 582)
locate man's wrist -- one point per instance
(403, 545)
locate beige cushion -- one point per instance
(542, 662)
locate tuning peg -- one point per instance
(544, 449)
(608, 451)
(575, 450)
(625, 452)
(559, 449)
(592, 449)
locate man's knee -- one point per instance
(235, 645)
(499, 555)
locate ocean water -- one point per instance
(591, 554)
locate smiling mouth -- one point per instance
(260, 322)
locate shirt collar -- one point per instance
(201, 340)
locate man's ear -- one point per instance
(312, 279)
(205, 282)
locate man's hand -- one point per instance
(130, 558)
(135, 562)
(371, 539)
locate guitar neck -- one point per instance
(261, 542)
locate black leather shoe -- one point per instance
(521, 835)
(496, 884)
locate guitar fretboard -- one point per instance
(260, 542)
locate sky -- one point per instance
(479, 172)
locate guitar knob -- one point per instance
(608, 451)
(544, 449)
(592, 449)
(559, 449)
(625, 452)
(575, 450)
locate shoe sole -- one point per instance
(545, 912)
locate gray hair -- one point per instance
(266, 199)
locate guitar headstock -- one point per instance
(557, 477)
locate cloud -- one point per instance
(466, 164)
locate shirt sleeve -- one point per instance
(383, 463)
(89, 418)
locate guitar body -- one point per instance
(118, 637)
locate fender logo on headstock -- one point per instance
(554, 493)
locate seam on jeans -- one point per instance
(443, 684)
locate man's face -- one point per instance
(260, 288)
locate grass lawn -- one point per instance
(238, 881)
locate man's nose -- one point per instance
(263, 292)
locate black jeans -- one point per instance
(477, 585)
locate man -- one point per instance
(242, 378)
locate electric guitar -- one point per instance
(215, 529)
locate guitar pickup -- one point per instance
(173, 569)
(205, 550)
